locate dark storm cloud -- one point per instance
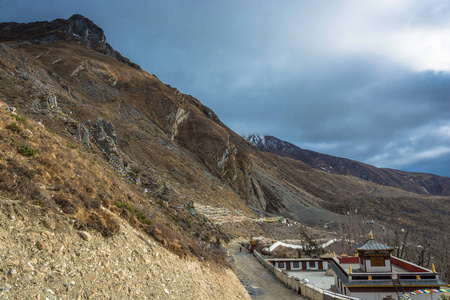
(367, 80)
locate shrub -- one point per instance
(14, 127)
(139, 215)
(71, 146)
(90, 202)
(20, 119)
(66, 206)
(104, 223)
(26, 150)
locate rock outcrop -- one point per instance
(104, 134)
(76, 26)
(80, 132)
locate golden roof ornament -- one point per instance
(371, 235)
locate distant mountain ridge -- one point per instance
(420, 183)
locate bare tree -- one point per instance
(441, 253)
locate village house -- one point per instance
(373, 273)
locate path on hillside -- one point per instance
(259, 282)
(220, 214)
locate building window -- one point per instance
(296, 264)
(377, 261)
(281, 264)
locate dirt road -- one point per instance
(259, 282)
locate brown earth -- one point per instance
(44, 256)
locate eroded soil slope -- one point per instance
(43, 255)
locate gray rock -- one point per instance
(79, 131)
(12, 272)
(47, 39)
(85, 235)
(104, 134)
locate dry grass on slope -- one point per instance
(342, 194)
(41, 168)
(138, 105)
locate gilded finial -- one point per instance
(371, 235)
(334, 254)
(350, 269)
(433, 268)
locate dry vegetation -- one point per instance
(61, 176)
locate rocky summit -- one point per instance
(114, 183)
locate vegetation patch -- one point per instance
(50, 130)
(65, 204)
(20, 119)
(71, 146)
(27, 150)
(15, 127)
(139, 215)
(103, 222)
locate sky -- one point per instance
(366, 80)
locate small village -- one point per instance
(373, 273)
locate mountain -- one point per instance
(420, 183)
(88, 136)
(63, 74)
(77, 26)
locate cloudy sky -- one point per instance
(367, 80)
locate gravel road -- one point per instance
(259, 282)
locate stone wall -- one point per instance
(306, 289)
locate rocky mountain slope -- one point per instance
(52, 260)
(420, 183)
(166, 143)
(151, 132)
(87, 134)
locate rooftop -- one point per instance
(372, 244)
(380, 279)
